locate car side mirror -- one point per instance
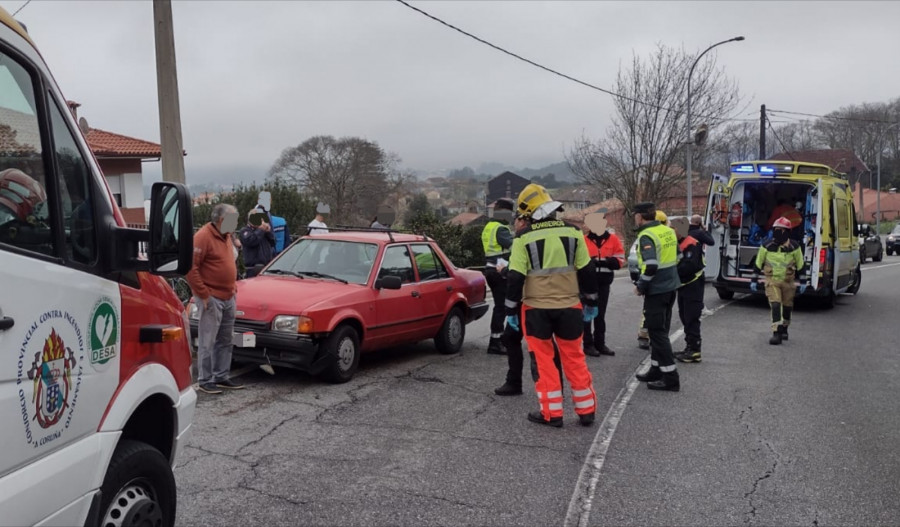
(388, 282)
(171, 247)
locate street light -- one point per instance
(878, 190)
(690, 133)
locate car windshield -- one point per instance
(896, 230)
(349, 262)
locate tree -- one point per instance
(352, 175)
(641, 158)
(287, 202)
(418, 208)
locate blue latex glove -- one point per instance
(802, 288)
(754, 286)
(513, 321)
(590, 313)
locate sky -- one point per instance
(257, 77)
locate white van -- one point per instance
(818, 202)
(95, 383)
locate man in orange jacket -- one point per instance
(608, 254)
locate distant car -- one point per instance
(892, 245)
(330, 297)
(869, 244)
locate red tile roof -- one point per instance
(467, 218)
(842, 160)
(108, 144)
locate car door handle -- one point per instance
(6, 323)
(415, 294)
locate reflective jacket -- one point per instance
(657, 259)
(496, 238)
(549, 267)
(780, 262)
(608, 254)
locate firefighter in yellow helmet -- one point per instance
(657, 252)
(549, 268)
(496, 238)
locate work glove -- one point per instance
(513, 321)
(754, 286)
(590, 313)
(802, 288)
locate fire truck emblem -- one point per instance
(51, 373)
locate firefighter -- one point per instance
(549, 268)
(496, 238)
(658, 281)
(690, 294)
(608, 255)
(781, 260)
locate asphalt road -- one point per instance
(799, 434)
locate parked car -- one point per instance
(892, 245)
(330, 297)
(870, 245)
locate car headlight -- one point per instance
(890, 238)
(194, 311)
(292, 324)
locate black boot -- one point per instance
(586, 419)
(495, 347)
(691, 353)
(536, 417)
(670, 382)
(653, 374)
(782, 330)
(604, 350)
(590, 350)
(776, 338)
(508, 389)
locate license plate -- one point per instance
(244, 340)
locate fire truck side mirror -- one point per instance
(171, 245)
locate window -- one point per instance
(75, 190)
(396, 262)
(842, 211)
(429, 263)
(24, 210)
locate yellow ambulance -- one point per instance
(818, 202)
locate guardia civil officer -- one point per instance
(496, 238)
(657, 252)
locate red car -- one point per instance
(330, 297)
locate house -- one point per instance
(505, 185)
(577, 198)
(615, 215)
(469, 219)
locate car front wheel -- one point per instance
(450, 338)
(343, 347)
(139, 488)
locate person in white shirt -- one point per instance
(318, 226)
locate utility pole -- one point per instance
(762, 131)
(167, 90)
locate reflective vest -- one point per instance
(549, 254)
(666, 244)
(489, 239)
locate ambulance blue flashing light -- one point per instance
(766, 169)
(743, 169)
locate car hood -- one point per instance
(263, 297)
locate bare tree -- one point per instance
(352, 175)
(641, 158)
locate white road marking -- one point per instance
(870, 268)
(579, 511)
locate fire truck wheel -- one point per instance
(139, 488)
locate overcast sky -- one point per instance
(256, 77)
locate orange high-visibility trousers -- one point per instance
(541, 327)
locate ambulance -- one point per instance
(95, 365)
(817, 200)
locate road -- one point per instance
(799, 434)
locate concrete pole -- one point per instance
(690, 141)
(167, 90)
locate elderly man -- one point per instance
(212, 280)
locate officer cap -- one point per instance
(644, 207)
(504, 204)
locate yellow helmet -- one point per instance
(661, 217)
(535, 202)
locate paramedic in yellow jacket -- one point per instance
(781, 259)
(549, 268)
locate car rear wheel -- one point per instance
(862, 254)
(343, 347)
(450, 338)
(878, 257)
(139, 488)
(725, 294)
(889, 252)
(857, 281)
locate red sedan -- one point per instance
(330, 297)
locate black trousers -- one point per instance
(598, 338)
(515, 356)
(690, 308)
(658, 320)
(496, 282)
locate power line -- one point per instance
(21, 8)
(832, 117)
(784, 148)
(550, 70)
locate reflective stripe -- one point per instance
(591, 296)
(496, 335)
(667, 369)
(510, 303)
(555, 406)
(654, 363)
(646, 278)
(535, 256)
(540, 395)
(554, 395)
(584, 404)
(666, 266)
(604, 270)
(572, 245)
(651, 262)
(581, 393)
(552, 270)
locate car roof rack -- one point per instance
(389, 232)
